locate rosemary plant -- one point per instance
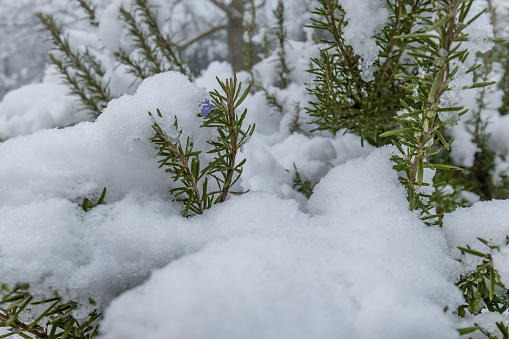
(89, 8)
(52, 319)
(301, 184)
(182, 161)
(483, 290)
(281, 34)
(344, 98)
(272, 99)
(82, 71)
(436, 50)
(295, 124)
(504, 82)
(481, 173)
(155, 52)
(87, 205)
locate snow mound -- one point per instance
(50, 242)
(344, 270)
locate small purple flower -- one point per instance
(206, 107)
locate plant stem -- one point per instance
(233, 142)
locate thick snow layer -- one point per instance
(286, 275)
(44, 176)
(38, 106)
(112, 152)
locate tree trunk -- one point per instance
(235, 29)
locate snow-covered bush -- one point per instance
(113, 226)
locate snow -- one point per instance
(485, 219)
(365, 20)
(47, 174)
(480, 31)
(284, 274)
(311, 156)
(220, 69)
(37, 106)
(463, 149)
(316, 274)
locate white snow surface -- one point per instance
(265, 264)
(38, 106)
(283, 274)
(485, 219)
(44, 177)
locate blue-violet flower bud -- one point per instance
(206, 107)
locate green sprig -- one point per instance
(183, 162)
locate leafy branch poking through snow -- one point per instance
(183, 162)
(437, 50)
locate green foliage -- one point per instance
(155, 53)
(43, 319)
(89, 8)
(295, 125)
(483, 290)
(448, 194)
(501, 56)
(281, 34)
(436, 51)
(86, 205)
(183, 162)
(272, 100)
(480, 175)
(504, 330)
(82, 71)
(344, 98)
(478, 178)
(302, 185)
